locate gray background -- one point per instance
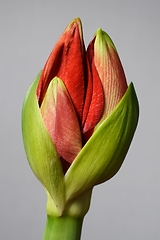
(127, 206)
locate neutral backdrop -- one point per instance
(128, 206)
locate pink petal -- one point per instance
(61, 121)
(110, 71)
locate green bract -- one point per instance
(103, 154)
(40, 150)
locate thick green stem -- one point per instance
(63, 228)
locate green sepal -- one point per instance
(104, 153)
(40, 150)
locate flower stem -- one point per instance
(63, 228)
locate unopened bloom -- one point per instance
(79, 116)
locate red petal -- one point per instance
(66, 61)
(94, 102)
(89, 91)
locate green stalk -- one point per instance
(63, 228)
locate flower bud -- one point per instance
(78, 120)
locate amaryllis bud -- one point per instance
(78, 119)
